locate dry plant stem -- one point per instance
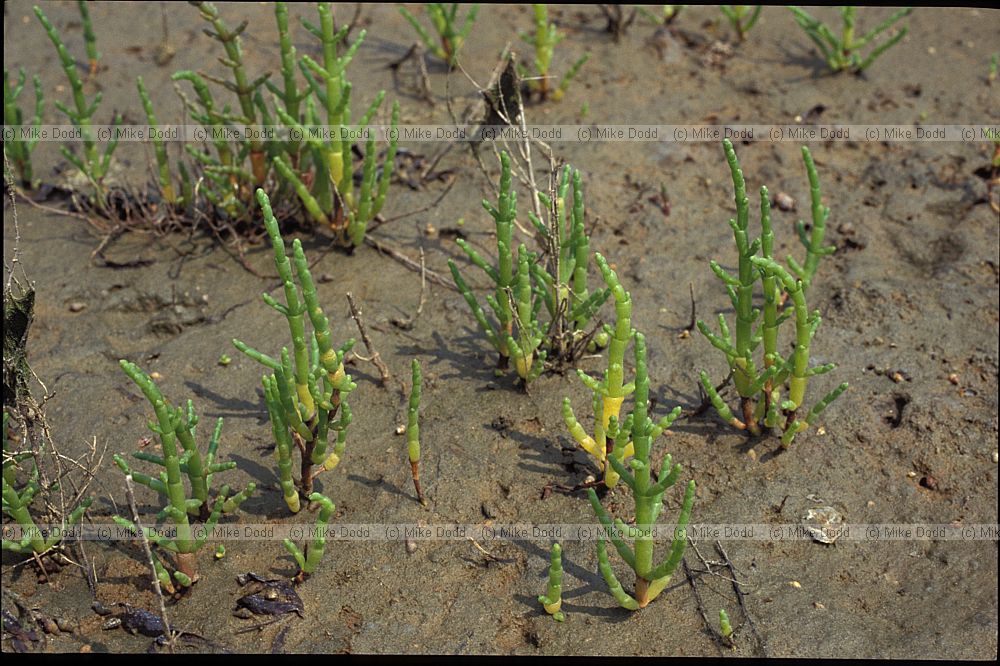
(413, 429)
(407, 323)
(373, 354)
(130, 494)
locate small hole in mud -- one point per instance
(896, 419)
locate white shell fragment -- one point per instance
(823, 523)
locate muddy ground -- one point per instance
(909, 299)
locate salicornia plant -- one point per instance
(17, 501)
(92, 164)
(243, 87)
(332, 201)
(742, 17)
(759, 385)
(556, 281)
(89, 39)
(611, 390)
(19, 146)
(544, 40)
(413, 430)
(843, 52)
(174, 426)
(450, 37)
(309, 561)
(551, 601)
(305, 395)
(647, 492)
(162, 163)
(511, 301)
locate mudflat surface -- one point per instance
(909, 299)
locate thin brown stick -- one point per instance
(374, 356)
(434, 277)
(130, 493)
(407, 323)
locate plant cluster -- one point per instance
(306, 393)
(760, 384)
(450, 37)
(544, 40)
(844, 52)
(559, 283)
(174, 426)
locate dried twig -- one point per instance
(407, 323)
(434, 277)
(374, 356)
(130, 493)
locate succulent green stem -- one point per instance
(552, 599)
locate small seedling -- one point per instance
(551, 601)
(650, 579)
(90, 40)
(759, 386)
(220, 551)
(308, 387)
(445, 21)
(725, 628)
(609, 392)
(17, 502)
(92, 164)
(544, 40)
(843, 53)
(175, 425)
(994, 67)
(20, 146)
(741, 17)
(413, 431)
(309, 561)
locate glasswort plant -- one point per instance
(19, 147)
(759, 386)
(609, 392)
(305, 395)
(544, 40)
(444, 20)
(842, 53)
(551, 601)
(650, 578)
(177, 426)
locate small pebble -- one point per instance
(49, 625)
(821, 430)
(818, 606)
(112, 623)
(86, 649)
(784, 202)
(411, 546)
(911, 474)
(796, 584)
(154, 375)
(77, 306)
(64, 625)
(953, 378)
(100, 608)
(400, 429)
(243, 613)
(994, 456)
(752, 455)
(846, 229)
